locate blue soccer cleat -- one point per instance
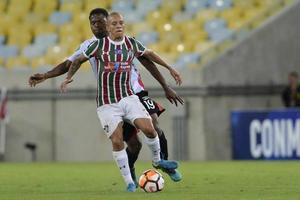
(133, 176)
(174, 174)
(165, 164)
(131, 187)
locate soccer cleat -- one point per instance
(174, 174)
(131, 187)
(165, 164)
(133, 176)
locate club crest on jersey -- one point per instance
(118, 51)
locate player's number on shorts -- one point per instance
(149, 103)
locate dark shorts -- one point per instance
(150, 105)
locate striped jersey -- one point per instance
(114, 63)
(137, 84)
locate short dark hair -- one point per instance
(294, 74)
(98, 11)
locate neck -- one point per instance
(116, 38)
(101, 35)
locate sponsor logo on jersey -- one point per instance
(117, 66)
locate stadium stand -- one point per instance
(198, 30)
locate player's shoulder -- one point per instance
(88, 42)
(130, 37)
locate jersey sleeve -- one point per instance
(138, 47)
(76, 54)
(89, 52)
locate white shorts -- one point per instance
(128, 108)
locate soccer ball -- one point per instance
(151, 181)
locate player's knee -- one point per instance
(117, 143)
(149, 131)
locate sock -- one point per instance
(132, 157)
(122, 162)
(163, 146)
(153, 144)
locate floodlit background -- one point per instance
(232, 54)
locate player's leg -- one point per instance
(133, 147)
(162, 139)
(137, 114)
(111, 120)
(155, 110)
(152, 140)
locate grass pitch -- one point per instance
(201, 180)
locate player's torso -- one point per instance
(114, 57)
(114, 63)
(135, 79)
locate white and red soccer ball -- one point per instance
(151, 181)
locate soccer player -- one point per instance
(97, 19)
(116, 100)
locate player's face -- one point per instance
(98, 25)
(115, 26)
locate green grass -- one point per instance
(202, 180)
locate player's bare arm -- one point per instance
(151, 55)
(60, 69)
(170, 94)
(72, 70)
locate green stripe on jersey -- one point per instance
(111, 86)
(133, 44)
(91, 48)
(124, 52)
(100, 47)
(123, 79)
(100, 90)
(140, 46)
(112, 52)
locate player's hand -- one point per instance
(36, 79)
(172, 96)
(176, 76)
(63, 86)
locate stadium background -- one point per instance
(233, 54)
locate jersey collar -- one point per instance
(118, 42)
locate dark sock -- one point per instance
(132, 157)
(163, 146)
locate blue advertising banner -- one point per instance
(268, 135)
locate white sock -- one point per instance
(122, 162)
(154, 146)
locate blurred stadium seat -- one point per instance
(18, 63)
(173, 28)
(32, 51)
(60, 18)
(8, 51)
(47, 40)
